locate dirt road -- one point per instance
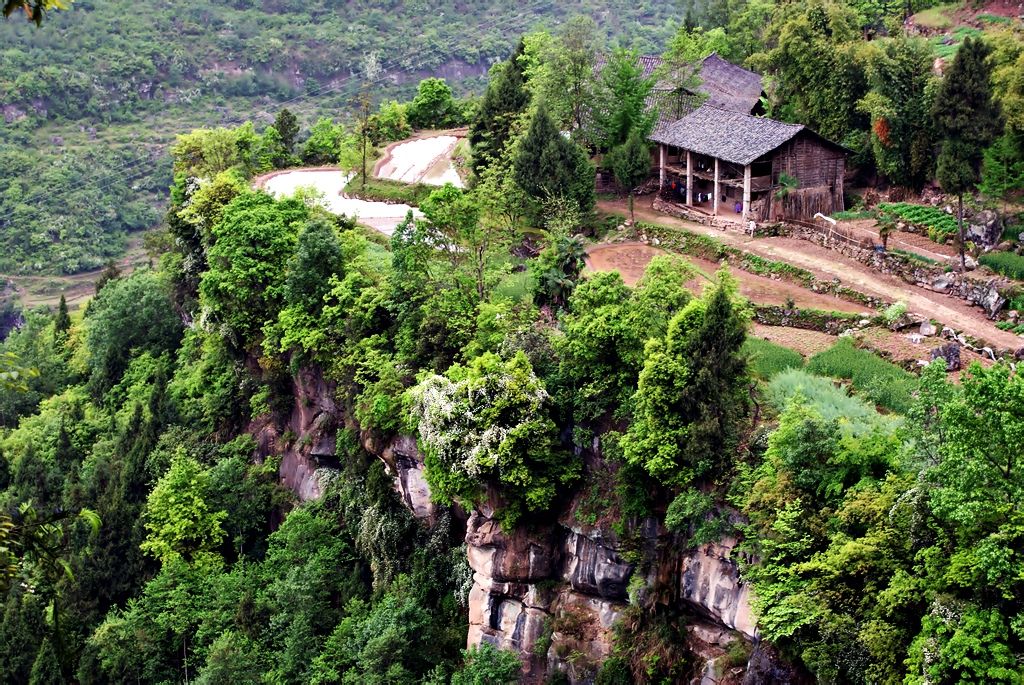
(830, 264)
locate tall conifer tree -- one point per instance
(506, 98)
(967, 119)
(549, 165)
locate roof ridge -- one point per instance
(743, 114)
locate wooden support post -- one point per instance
(661, 165)
(689, 179)
(746, 193)
(715, 210)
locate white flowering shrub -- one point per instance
(488, 423)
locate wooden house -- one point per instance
(747, 167)
(716, 154)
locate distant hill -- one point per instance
(90, 100)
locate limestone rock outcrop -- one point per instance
(550, 590)
(710, 581)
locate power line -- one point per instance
(120, 173)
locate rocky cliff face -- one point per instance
(551, 591)
(306, 442)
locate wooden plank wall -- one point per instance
(818, 168)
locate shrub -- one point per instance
(885, 383)
(1006, 263)
(767, 358)
(894, 312)
(831, 402)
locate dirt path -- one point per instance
(830, 264)
(630, 260)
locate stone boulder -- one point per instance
(709, 580)
(984, 228)
(406, 463)
(767, 667)
(524, 555)
(950, 352)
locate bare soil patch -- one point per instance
(807, 343)
(630, 260)
(829, 264)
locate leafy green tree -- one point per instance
(390, 122)
(488, 424)
(605, 328)
(207, 152)
(178, 517)
(813, 54)
(504, 100)
(324, 140)
(129, 315)
(631, 165)
(548, 165)
(691, 392)
(231, 660)
(376, 643)
(621, 103)
(487, 665)
(1002, 168)
(245, 284)
(433, 106)
(746, 29)
(287, 126)
(465, 238)
(560, 73)
(899, 102)
(967, 120)
(558, 269)
(204, 206)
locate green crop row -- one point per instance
(933, 220)
(1005, 263)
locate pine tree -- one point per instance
(1002, 172)
(287, 126)
(506, 97)
(62, 323)
(967, 120)
(549, 165)
(690, 396)
(631, 164)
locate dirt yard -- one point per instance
(630, 260)
(807, 343)
(830, 264)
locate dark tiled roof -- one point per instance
(729, 86)
(732, 136)
(649, 64)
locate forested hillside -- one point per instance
(93, 97)
(295, 449)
